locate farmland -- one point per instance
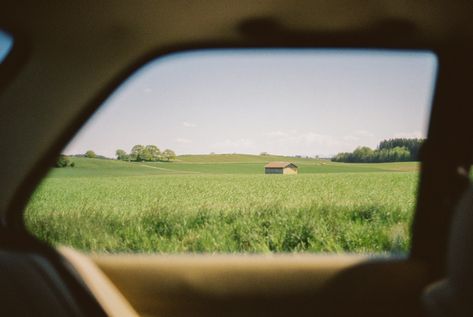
(225, 203)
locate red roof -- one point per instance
(279, 165)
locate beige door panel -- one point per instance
(266, 285)
(105, 292)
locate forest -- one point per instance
(392, 150)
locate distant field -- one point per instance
(225, 203)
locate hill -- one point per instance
(301, 162)
(306, 164)
(86, 167)
(240, 158)
(218, 164)
(253, 164)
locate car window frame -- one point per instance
(421, 230)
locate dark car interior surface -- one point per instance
(68, 56)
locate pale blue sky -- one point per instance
(291, 102)
(6, 43)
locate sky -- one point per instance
(6, 43)
(308, 102)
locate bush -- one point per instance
(63, 161)
(90, 154)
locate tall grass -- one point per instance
(335, 212)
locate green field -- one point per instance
(225, 203)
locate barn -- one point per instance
(280, 168)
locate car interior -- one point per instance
(68, 57)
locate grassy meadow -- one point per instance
(225, 203)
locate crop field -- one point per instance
(225, 203)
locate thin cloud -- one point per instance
(234, 144)
(277, 134)
(306, 138)
(350, 138)
(408, 135)
(313, 143)
(183, 141)
(189, 124)
(364, 133)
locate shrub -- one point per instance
(63, 161)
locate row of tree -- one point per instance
(91, 154)
(392, 150)
(149, 153)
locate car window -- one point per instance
(301, 150)
(6, 43)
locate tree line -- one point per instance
(148, 153)
(138, 153)
(392, 150)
